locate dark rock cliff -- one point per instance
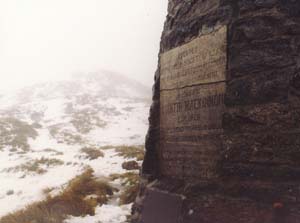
(259, 153)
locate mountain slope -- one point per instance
(47, 129)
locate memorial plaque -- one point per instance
(202, 61)
(239, 161)
(161, 207)
(192, 90)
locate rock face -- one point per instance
(224, 131)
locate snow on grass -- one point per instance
(126, 119)
(105, 214)
(44, 140)
(55, 110)
(29, 189)
(128, 128)
(109, 164)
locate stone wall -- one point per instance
(257, 165)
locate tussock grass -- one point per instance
(15, 133)
(92, 153)
(129, 195)
(65, 136)
(55, 152)
(85, 120)
(130, 152)
(36, 166)
(70, 138)
(131, 183)
(80, 198)
(48, 190)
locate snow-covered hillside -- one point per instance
(48, 132)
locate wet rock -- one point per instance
(10, 192)
(130, 165)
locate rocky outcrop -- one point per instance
(258, 169)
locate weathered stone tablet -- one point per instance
(192, 88)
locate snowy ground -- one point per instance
(56, 150)
(29, 189)
(105, 214)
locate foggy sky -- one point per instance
(43, 40)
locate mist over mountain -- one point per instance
(48, 131)
(102, 84)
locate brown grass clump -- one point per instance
(16, 133)
(64, 136)
(36, 166)
(92, 153)
(53, 151)
(131, 152)
(85, 120)
(131, 184)
(129, 194)
(73, 201)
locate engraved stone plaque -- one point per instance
(192, 88)
(161, 207)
